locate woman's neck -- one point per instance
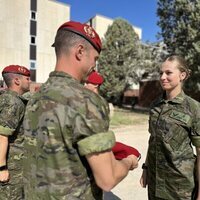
(172, 94)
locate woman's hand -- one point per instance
(4, 176)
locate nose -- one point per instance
(162, 76)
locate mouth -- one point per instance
(164, 83)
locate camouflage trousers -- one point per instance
(151, 196)
(13, 190)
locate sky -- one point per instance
(139, 13)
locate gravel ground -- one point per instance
(129, 188)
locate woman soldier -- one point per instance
(174, 126)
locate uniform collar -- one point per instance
(14, 93)
(177, 100)
(63, 75)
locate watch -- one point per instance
(4, 167)
(144, 166)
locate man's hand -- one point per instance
(108, 171)
(133, 161)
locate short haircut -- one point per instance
(65, 40)
(8, 77)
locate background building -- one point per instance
(100, 24)
(27, 30)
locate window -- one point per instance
(34, 5)
(33, 39)
(32, 52)
(33, 70)
(33, 75)
(33, 15)
(33, 27)
(32, 64)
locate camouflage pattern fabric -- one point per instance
(12, 108)
(27, 95)
(171, 161)
(63, 122)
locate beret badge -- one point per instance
(22, 70)
(89, 31)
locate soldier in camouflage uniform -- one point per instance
(12, 108)
(67, 143)
(174, 125)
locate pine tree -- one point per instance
(118, 59)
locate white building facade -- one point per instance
(27, 30)
(100, 23)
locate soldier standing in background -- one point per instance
(171, 167)
(67, 143)
(12, 108)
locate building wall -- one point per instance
(15, 20)
(14, 32)
(100, 24)
(50, 15)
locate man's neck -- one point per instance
(15, 89)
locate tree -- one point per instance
(118, 59)
(179, 21)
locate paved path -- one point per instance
(129, 188)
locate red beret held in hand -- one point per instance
(121, 151)
(95, 78)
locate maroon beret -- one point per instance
(85, 31)
(95, 78)
(16, 69)
(121, 150)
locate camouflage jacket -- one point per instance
(63, 122)
(12, 108)
(173, 125)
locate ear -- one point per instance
(183, 76)
(17, 81)
(79, 52)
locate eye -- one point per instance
(168, 73)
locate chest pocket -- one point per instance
(181, 117)
(179, 127)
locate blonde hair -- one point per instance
(181, 64)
